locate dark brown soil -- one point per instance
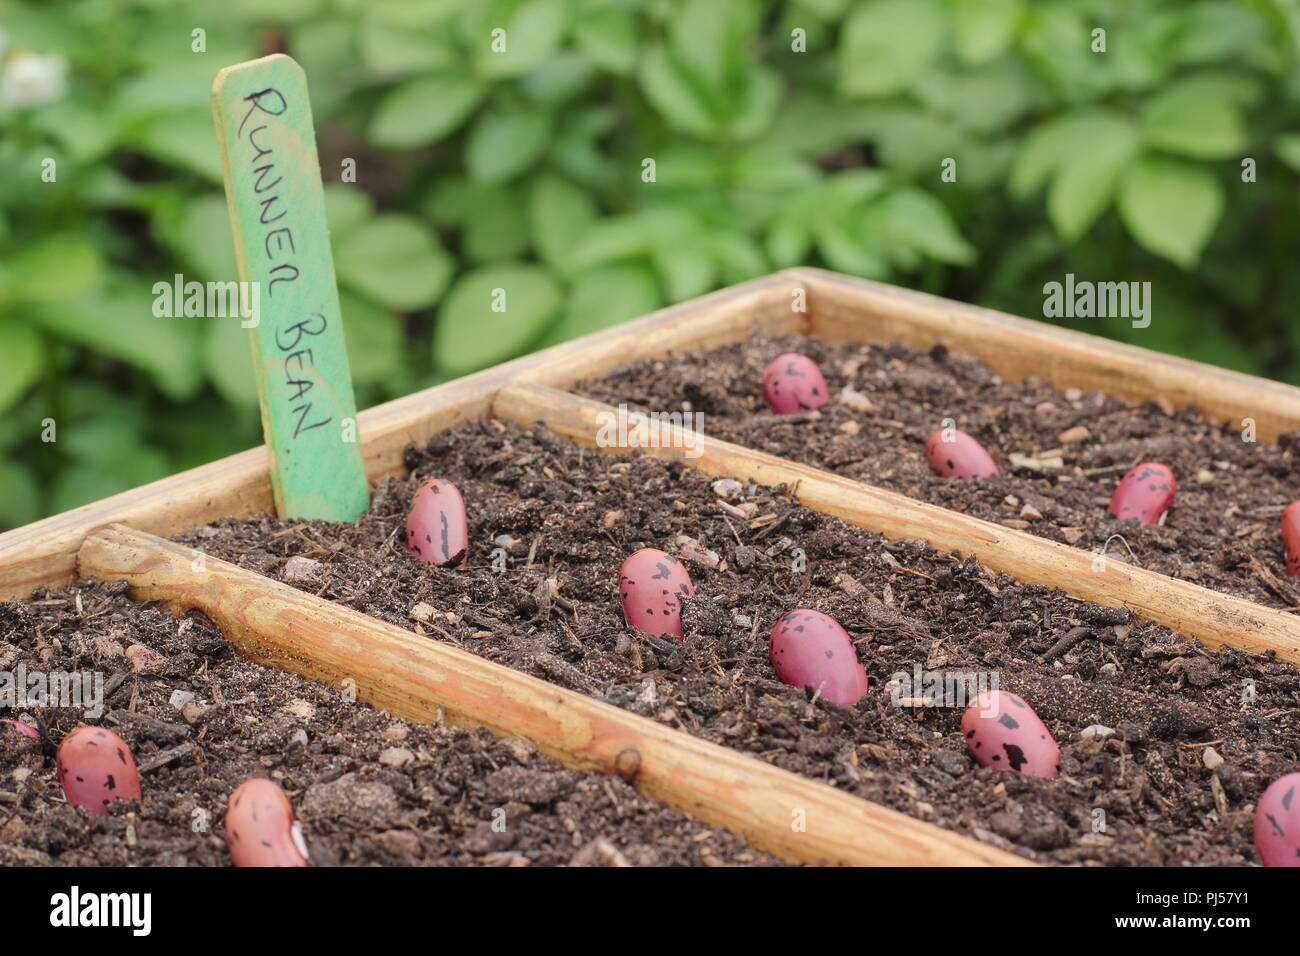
(566, 518)
(1222, 531)
(369, 789)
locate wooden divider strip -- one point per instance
(1217, 619)
(847, 309)
(422, 680)
(45, 552)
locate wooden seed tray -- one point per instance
(421, 679)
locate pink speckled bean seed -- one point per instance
(27, 730)
(1145, 493)
(793, 383)
(1003, 731)
(811, 649)
(437, 530)
(1277, 822)
(94, 766)
(954, 454)
(260, 828)
(1291, 537)
(651, 585)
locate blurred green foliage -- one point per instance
(781, 133)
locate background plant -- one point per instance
(525, 169)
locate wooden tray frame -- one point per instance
(806, 301)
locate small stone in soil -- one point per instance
(298, 569)
(396, 757)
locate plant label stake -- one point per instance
(277, 210)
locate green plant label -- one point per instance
(277, 209)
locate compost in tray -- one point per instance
(1070, 450)
(369, 789)
(1161, 758)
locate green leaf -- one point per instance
(346, 207)
(1083, 154)
(20, 360)
(826, 9)
(759, 95)
(388, 48)
(80, 484)
(983, 29)
(886, 44)
(607, 37)
(84, 131)
(327, 50)
(497, 228)
(788, 243)
(914, 218)
(60, 266)
(1085, 184)
(1055, 143)
(452, 200)
(686, 271)
(117, 320)
(202, 238)
(1217, 30)
(395, 261)
(705, 81)
(504, 142)
(375, 339)
(770, 169)
(402, 13)
(559, 214)
(228, 362)
(557, 81)
(635, 234)
(492, 314)
(605, 296)
(172, 89)
(1288, 149)
(533, 30)
(707, 36)
(1171, 207)
(856, 255)
(188, 140)
(671, 92)
(424, 110)
(738, 256)
(1195, 117)
(20, 496)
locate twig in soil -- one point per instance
(1072, 637)
(158, 729)
(113, 683)
(166, 756)
(906, 570)
(1271, 581)
(444, 633)
(761, 422)
(733, 531)
(317, 547)
(779, 523)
